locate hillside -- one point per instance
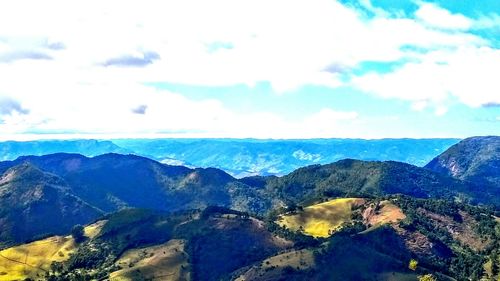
(444, 239)
(76, 189)
(114, 181)
(474, 159)
(35, 203)
(362, 178)
(34, 259)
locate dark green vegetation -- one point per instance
(448, 240)
(475, 159)
(351, 178)
(113, 181)
(450, 227)
(34, 203)
(243, 157)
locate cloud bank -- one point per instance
(84, 70)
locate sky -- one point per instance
(249, 69)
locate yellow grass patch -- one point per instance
(488, 269)
(28, 260)
(161, 262)
(32, 259)
(322, 219)
(92, 230)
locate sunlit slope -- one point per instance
(322, 219)
(382, 213)
(161, 262)
(34, 259)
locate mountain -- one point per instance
(474, 159)
(113, 181)
(247, 157)
(242, 157)
(10, 150)
(35, 203)
(369, 178)
(348, 220)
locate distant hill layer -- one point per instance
(243, 157)
(474, 159)
(10, 150)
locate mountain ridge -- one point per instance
(475, 159)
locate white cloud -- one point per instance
(466, 74)
(487, 21)
(286, 43)
(436, 16)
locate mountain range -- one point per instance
(242, 157)
(444, 216)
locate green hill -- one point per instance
(34, 203)
(354, 178)
(448, 240)
(474, 159)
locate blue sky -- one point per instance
(259, 69)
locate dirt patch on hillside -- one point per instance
(382, 213)
(462, 230)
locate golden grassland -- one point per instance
(322, 219)
(161, 262)
(92, 230)
(33, 259)
(270, 268)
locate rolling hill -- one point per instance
(364, 178)
(448, 240)
(348, 220)
(114, 181)
(76, 188)
(35, 203)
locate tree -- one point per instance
(78, 233)
(56, 267)
(413, 264)
(427, 277)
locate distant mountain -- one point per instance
(242, 157)
(475, 159)
(33, 203)
(10, 150)
(247, 157)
